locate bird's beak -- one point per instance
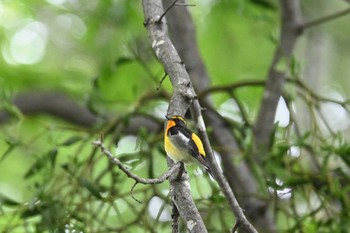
(167, 117)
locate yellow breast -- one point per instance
(176, 154)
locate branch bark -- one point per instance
(52, 103)
(59, 105)
(239, 176)
(278, 72)
(115, 161)
(182, 96)
(325, 19)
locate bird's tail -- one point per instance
(210, 172)
(205, 165)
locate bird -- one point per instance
(181, 144)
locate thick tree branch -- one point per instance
(290, 31)
(182, 96)
(183, 36)
(58, 105)
(52, 103)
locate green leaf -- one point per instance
(36, 167)
(90, 187)
(70, 141)
(52, 156)
(30, 213)
(344, 152)
(4, 200)
(41, 162)
(12, 109)
(12, 145)
(264, 3)
(123, 60)
(273, 134)
(34, 207)
(7, 152)
(295, 180)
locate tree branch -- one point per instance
(325, 19)
(224, 186)
(166, 11)
(290, 31)
(115, 161)
(58, 105)
(317, 97)
(183, 36)
(52, 103)
(231, 87)
(175, 217)
(180, 101)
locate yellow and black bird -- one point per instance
(181, 144)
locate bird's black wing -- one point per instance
(191, 145)
(180, 136)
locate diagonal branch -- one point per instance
(115, 161)
(166, 11)
(231, 87)
(325, 19)
(241, 219)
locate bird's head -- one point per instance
(175, 120)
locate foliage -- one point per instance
(98, 54)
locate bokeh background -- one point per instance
(94, 57)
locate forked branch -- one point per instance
(119, 164)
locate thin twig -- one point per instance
(166, 11)
(133, 176)
(184, 4)
(241, 108)
(171, 6)
(236, 226)
(232, 87)
(325, 19)
(324, 120)
(161, 81)
(292, 115)
(132, 193)
(318, 97)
